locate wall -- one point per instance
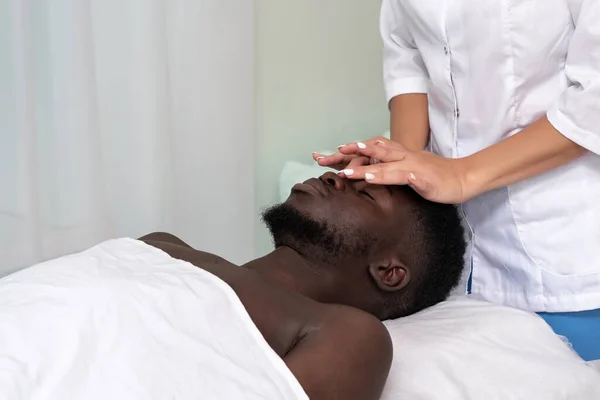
(318, 84)
(317, 73)
(118, 118)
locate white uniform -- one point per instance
(490, 69)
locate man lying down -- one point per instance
(348, 254)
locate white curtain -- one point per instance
(122, 117)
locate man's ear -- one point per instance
(390, 276)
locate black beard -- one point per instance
(317, 240)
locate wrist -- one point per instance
(469, 177)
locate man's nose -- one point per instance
(333, 180)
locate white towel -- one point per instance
(124, 320)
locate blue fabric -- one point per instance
(582, 329)
(470, 281)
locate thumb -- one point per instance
(421, 186)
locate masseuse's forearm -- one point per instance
(409, 121)
(533, 151)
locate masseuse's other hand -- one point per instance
(435, 178)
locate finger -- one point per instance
(337, 167)
(353, 147)
(384, 140)
(355, 162)
(380, 174)
(334, 159)
(371, 140)
(317, 156)
(357, 147)
(421, 186)
(380, 140)
(358, 162)
(377, 150)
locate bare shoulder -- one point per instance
(344, 315)
(360, 327)
(347, 357)
(177, 248)
(164, 237)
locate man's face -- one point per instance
(341, 217)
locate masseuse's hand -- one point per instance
(434, 177)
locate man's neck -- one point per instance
(289, 269)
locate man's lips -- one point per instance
(313, 185)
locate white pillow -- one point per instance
(465, 349)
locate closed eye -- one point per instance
(366, 194)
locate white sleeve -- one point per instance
(576, 114)
(403, 68)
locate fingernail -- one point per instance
(341, 145)
(348, 172)
(379, 142)
(361, 145)
(320, 158)
(369, 176)
(412, 176)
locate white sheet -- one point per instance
(126, 321)
(470, 350)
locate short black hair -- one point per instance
(439, 243)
